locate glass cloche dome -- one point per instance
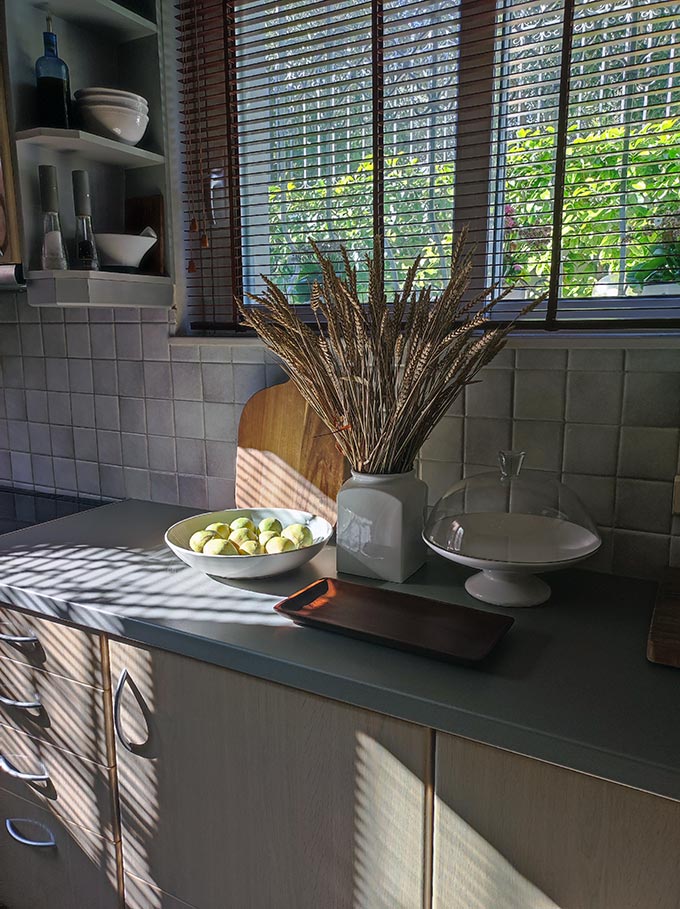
(511, 524)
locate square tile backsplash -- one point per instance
(104, 404)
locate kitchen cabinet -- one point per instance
(141, 895)
(77, 791)
(59, 711)
(49, 864)
(238, 792)
(515, 833)
(59, 833)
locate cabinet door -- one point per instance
(47, 864)
(140, 895)
(239, 792)
(515, 833)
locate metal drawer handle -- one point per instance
(117, 700)
(21, 705)
(19, 639)
(137, 748)
(48, 842)
(6, 766)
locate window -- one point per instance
(551, 128)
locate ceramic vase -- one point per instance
(380, 525)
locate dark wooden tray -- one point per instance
(445, 631)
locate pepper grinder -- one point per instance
(53, 253)
(86, 257)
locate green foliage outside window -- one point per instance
(621, 213)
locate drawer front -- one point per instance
(140, 895)
(76, 790)
(77, 872)
(67, 714)
(56, 648)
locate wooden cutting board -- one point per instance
(663, 643)
(286, 457)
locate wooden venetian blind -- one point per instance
(211, 210)
(551, 129)
(334, 120)
(586, 160)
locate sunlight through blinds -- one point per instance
(304, 90)
(612, 245)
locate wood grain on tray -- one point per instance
(445, 631)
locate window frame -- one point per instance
(479, 19)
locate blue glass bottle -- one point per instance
(53, 85)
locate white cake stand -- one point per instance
(543, 545)
(502, 584)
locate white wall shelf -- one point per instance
(119, 21)
(95, 148)
(97, 288)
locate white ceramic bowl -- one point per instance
(119, 123)
(112, 93)
(127, 250)
(260, 566)
(126, 103)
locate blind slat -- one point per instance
(279, 137)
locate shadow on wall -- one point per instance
(285, 487)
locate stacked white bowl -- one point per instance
(113, 113)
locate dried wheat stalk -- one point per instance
(381, 376)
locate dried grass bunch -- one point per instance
(380, 376)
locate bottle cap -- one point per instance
(81, 192)
(49, 194)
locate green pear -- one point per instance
(241, 535)
(239, 523)
(279, 544)
(299, 534)
(270, 524)
(220, 528)
(219, 546)
(199, 539)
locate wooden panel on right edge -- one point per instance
(663, 643)
(515, 833)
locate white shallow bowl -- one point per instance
(112, 93)
(119, 123)
(240, 567)
(126, 103)
(123, 249)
